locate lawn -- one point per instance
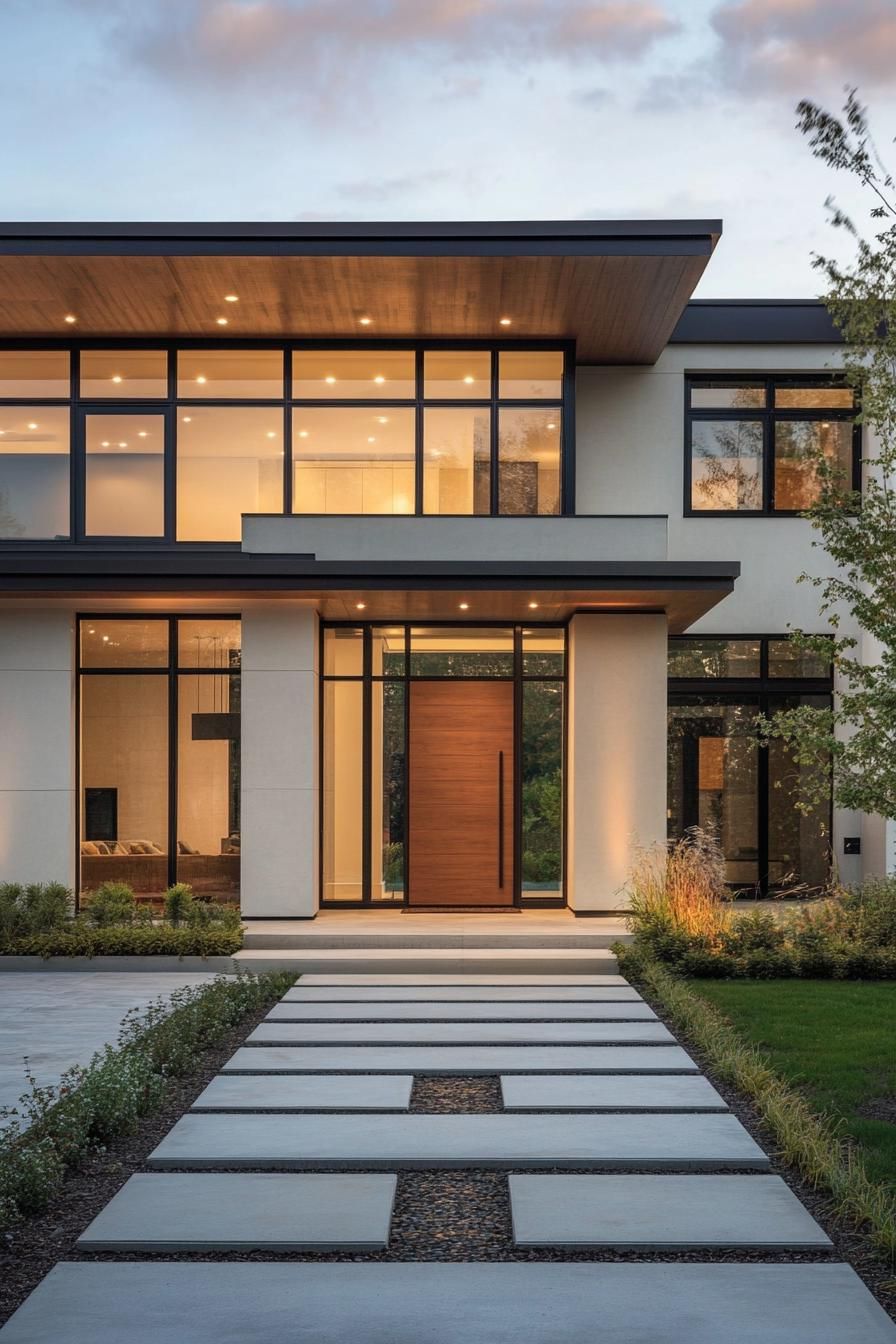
(836, 1039)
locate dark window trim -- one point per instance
(765, 693)
(172, 670)
(366, 679)
(170, 403)
(767, 415)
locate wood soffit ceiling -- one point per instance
(617, 289)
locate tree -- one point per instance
(855, 742)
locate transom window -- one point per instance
(751, 442)
(157, 444)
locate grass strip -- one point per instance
(811, 1143)
(55, 1128)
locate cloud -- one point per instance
(593, 98)
(795, 45)
(388, 188)
(319, 47)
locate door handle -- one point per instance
(500, 819)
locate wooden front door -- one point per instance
(460, 790)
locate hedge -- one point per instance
(81, 940)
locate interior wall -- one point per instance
(124, 746)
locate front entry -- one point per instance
(461, 773)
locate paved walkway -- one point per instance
(593, 1161)
(61, 1018)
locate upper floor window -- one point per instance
(752, 442)
(159, 444)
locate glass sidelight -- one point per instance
(371, 776)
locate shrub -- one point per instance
(111, 903)
(178, 900)
(56, 1127)
(35, 908)
(758, 931)
(870, 912)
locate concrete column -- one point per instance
(37, 747)
(617, 752)
(279, 762)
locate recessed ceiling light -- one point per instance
(32, 424)
(141, 433)
(551, 424)
(371, 438)
(382, 419)
(221, 321)
(506, 321)
(105, 443)
(123, 445)
(379, 378)
(231, 298)
(469, 378)
(365, 321)
(533, 606)
(116, 377)
(303, 433)
(464, 606)
(187, 419)
(359, 606)
(201, 378)
(70, 318)
(105, 639)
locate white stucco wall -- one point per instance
(630, 458)
(279, 761)
(37, 747)
(617, 752)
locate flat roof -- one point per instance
(615, 287)
(756, 322)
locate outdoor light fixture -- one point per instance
(359, 606)
(464, 606)
(365, 321)
(70, 318)
(221, 321)
(533, 606)
(505, 321)
(231, 298)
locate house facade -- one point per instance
(385, 565)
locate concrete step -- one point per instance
(376, 1142)
(583, 934)
(438, 1060)
(255, 1303)
(496, 961)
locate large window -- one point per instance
(157, 444)
(723, 779)
(753, 443)
(366, 708)
(160, 753)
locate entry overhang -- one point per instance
(617, 288)
(491, 590)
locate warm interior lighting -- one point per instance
(221, 321)
(371, 438)
(505, 321)
(272, 434)
(231, 298)
(141, 433)
(382, 419)
(32, 424)
(533, 606)
(469, 378)
(104, 444)
(464, 606)
(187, 419)
(359, 606)
(551, 424)
(365, 321)
(303, 433)
(379, 378)
(122, 445)
(70, 317)
(116, 377)
(201, 378)
(329, 378)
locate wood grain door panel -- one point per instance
(461, 770)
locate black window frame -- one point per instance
(171, 404)
(366, 678)
(768, 415)
(172, 671)
(763, 693)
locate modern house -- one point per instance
(389, 564)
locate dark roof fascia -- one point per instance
(485, 238)
(756, 322)
(66, 571)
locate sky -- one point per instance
(446, 109)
